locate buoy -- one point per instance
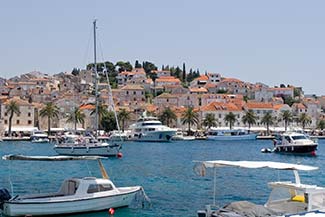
(313, 153)
(119, 155)
(111, 211)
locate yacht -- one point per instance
(296, 143)
(39, 136)
(230, 134)
(179, 135)
(150, 129)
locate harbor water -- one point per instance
(165, 170)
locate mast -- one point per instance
(96, 84)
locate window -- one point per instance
(127, 92)
(6, 121)
(17, 121)
(93, 188)
(5, 113)
(29, 114)
(29, 122)
(134, 93)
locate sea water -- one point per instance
(165, 170)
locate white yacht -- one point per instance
(150, 129)
(39, 136)
(76, 195)
(230, 134)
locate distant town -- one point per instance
(180, 98)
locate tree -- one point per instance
(210, 120)
(123, 66)
(12, 108)
(190, 117)
(250, 118)
(108, 121)
(123, 117)
(321, 124)
(167, 115)
(102, 112)
(50, 111)
(76, 116)
(268, 120)
(148, 67)
(137, 65)
(286, 116)
(304, 119)
(184, 73)
(230, 119)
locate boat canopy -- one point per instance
(49, 158)
(257, 164)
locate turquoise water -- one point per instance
(165, 170)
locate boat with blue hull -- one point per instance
(230, 134)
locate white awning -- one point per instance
(22, 129)
(258, 164)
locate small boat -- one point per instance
(296, 143)
(286, 197)
(76, 145)
(230, 134)
(150, 129)
(39, 136)
(76, 195)
(179, 135)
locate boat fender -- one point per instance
(72, 150)
(87, 149)
(111, 211)
(119, 155)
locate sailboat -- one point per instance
(84, 146)
(76, 195)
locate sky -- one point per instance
(273, 42)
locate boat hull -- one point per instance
(57, 207)
(297, 149)
(87, 151)
(159, 136)
(232, 138)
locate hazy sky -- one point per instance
(258, 41)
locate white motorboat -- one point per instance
(179, 135)
(76, 145)
(39, 136)
(286, 198)
(150, 129)
(295, 143)
(230, 134)
(76, 195)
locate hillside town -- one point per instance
(136, 91)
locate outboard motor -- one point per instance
(4, 196)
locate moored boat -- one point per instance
(295, 143)
(39, 136)
(286, 198)
(76, 195)
(230, 134)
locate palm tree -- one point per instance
(77, 116)
(12, 108)
(123, 117)
(304, 119)
(50, 111)
(249, 118)
(167, 115)
(286, 116)
(102, 111)
(321, 124)
(230, 119)
(210, 120)
(268, 120)
(190, 117)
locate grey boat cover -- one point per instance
(244, 209)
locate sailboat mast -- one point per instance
(96, 82)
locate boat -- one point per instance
(39, 136)
(78, 145)
(150, 129)
(76, 195)
(230, 134)
(296, 143)
(287, 198)
(179, 135)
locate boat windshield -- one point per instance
(299, 137)
(152, 123)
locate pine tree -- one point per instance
(184, 73)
